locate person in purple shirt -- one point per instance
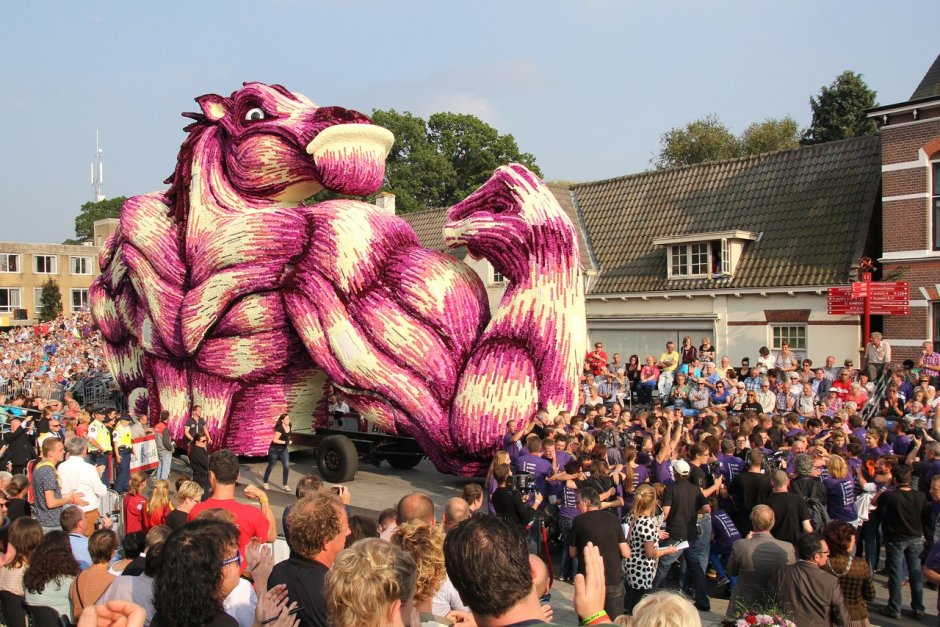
(534, 463)
(902, 441)
(875, 444)
(932, 569)
(729, 465)
(567, 511)
(840, 491)
(725, 534)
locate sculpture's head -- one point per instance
(278, 145)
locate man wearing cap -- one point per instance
(683, 506)
(99, 443)
(19, 445)
(123, 452)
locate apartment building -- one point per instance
(24, 268)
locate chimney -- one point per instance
(386, 202)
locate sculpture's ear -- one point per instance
(214, 107)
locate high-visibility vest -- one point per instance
(99, 437)
(123, 437)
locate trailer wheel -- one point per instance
(337, 459)
(404, 462)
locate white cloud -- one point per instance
(463, 102)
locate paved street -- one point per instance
(377, 488)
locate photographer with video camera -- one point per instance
(507, 499)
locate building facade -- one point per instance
(24, 268)
(910, 171)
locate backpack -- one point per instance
(818, 515)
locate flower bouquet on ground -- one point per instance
(754, 617)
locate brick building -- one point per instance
(910, 174)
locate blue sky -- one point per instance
(587, 87)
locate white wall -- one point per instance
(657, 319)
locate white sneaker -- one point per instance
(286, 488)
(266, 486)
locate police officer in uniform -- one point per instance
(123, 450)
(99, 443)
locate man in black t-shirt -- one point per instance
(749, 489)
(791, 515)
(605, 532)
(900, 513)
(682, 504)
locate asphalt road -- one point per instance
(376, 488)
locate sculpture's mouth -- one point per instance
(350, 158)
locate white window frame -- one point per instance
(10, 306)
(689, 257)
(498, 278)
(37, 299)
(83, 302)
(55, 264)
(933, 227)
(81, 262)
(792, 333)
(726, 256)
(19, 263)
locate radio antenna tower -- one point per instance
(97, 171)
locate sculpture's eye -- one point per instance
(254, 115)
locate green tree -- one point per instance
(92, 211)
(438, 162)
(839, 110)
(771, 134)
(702, 140)
(49, 306)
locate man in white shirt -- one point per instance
(77, 475)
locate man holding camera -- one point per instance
(508, 502)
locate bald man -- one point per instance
(456, 511)
(756, 562)
(416, 506)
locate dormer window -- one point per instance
(704, 255)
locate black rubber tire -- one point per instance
(404, 462)
(337, 459)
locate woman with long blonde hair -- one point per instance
(643, 536)
(158, 505)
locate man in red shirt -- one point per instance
(251, 521)
(596, 359)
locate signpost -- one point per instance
(870, 298)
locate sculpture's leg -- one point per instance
(169, 390)
(339, 346)
(294, 391)
(498, 384)
(214, 394)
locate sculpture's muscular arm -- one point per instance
(382, 317)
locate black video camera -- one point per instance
(523, 482)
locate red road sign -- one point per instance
(887, 298)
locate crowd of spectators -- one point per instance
(764, 477)
(762, 483)
(53, 358)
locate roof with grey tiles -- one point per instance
(930, 85)
(429, 226)
(812, 207)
